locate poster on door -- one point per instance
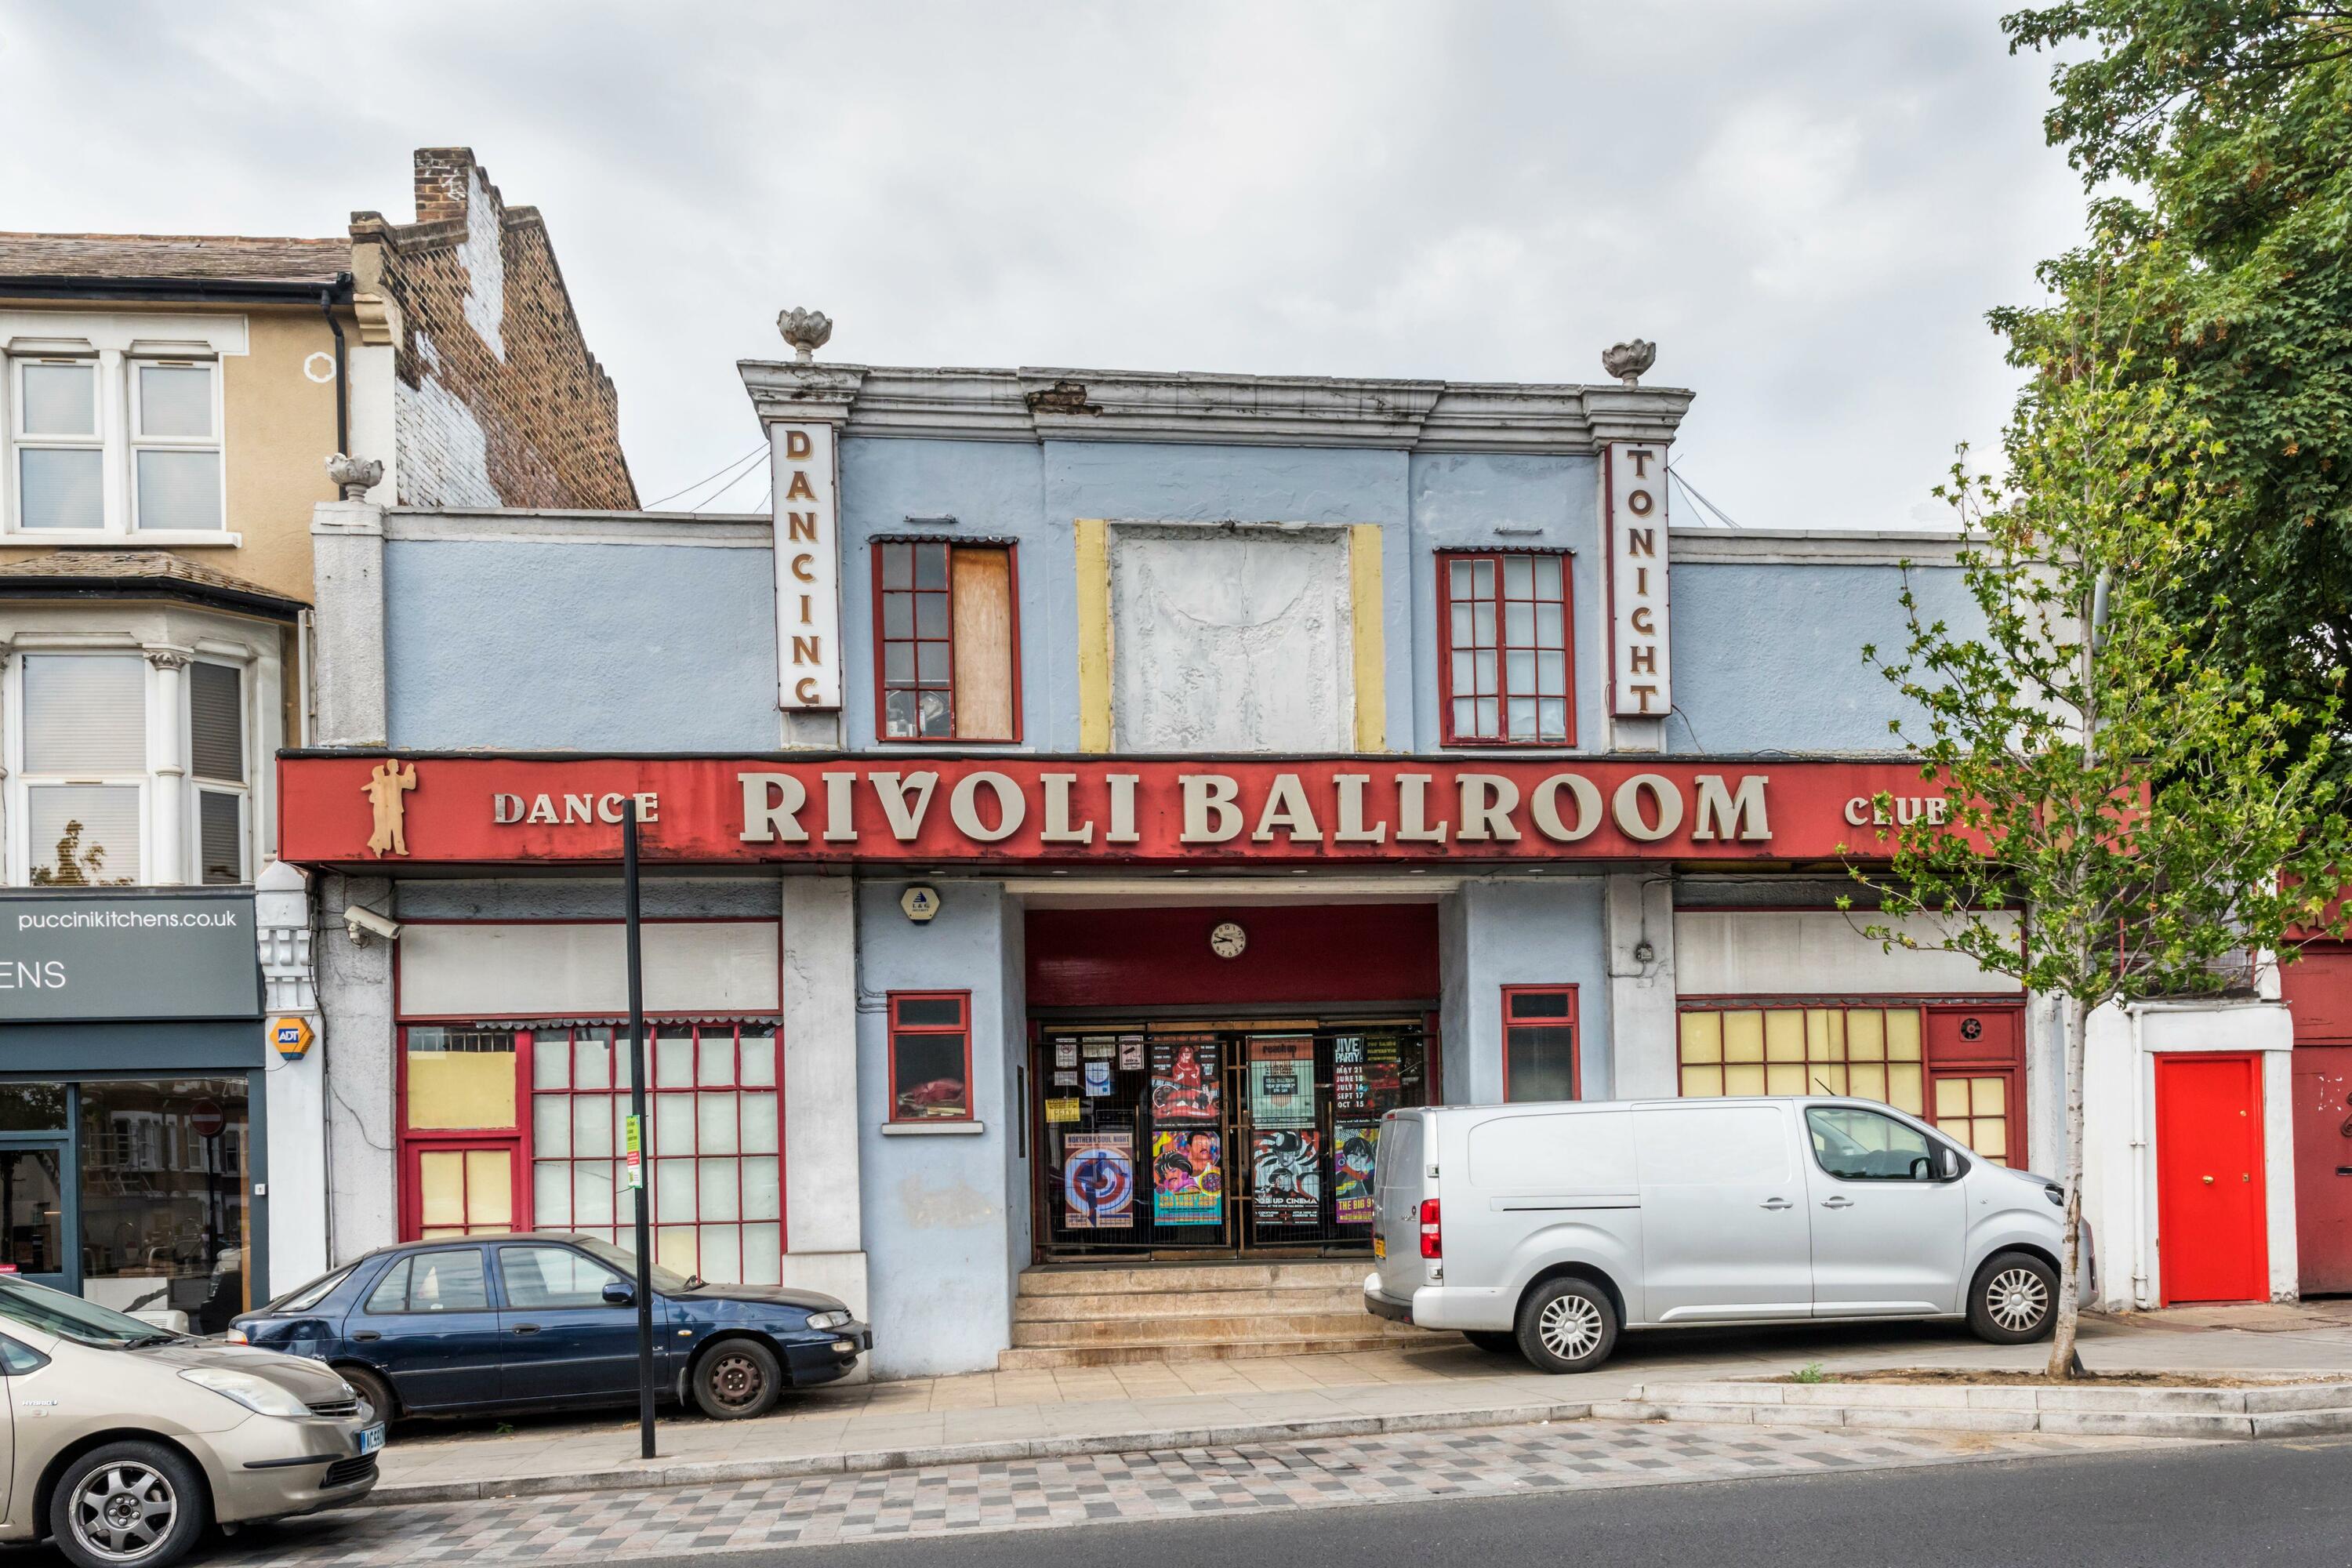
(1185, 1085)
(1348, 1091)
(1099, 1079)
(1354, 1146)
(1286, 1176)
(1188, 1179)
(1383, 1074)
(1098, 1180)
(1282, 1083)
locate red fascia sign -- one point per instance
(378, 810)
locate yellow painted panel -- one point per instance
(1866, 1082)
(441, 1186)
(1093, 537)
(1865, 1036)
(1744, 1080)
(1902, 1035)
(1785, 1077)
(675, 1248)
(1991, 1138)
(1989, 1096)
(1903, 1089)
(1702, 1036)
(1743, 1036)
(1951, 1097)
(461, 1089)
(1784, 1036)
(432, 1233)
(1364, 607)
(489, 1188)
(1829, 1077)
(1817, 1037)
(1703, 1082)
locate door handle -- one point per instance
(1776, 1203)
(1837, 1203)
(526, 1328)
(2209, 1181)
(368, 1334)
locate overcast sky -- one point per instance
(1809, 204)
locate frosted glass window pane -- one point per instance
(674, 1123)
(1518, 576)
(715, 1131)
(715, 1056)
(621, 1069)
(1903, 1087)
(1743, 1036)
(674, 1189)
(591, 1062)
(758, 1113)
(1902, 1036)
(759, 1060)
(1702, 1036)
(83, 835)
(1743, 1079)
(1785, 1079)
(551, 1187)
(764, 1262)
(175, 400)
(1784, 1036)
(719, 1190)
(722, 1254)
(489, 1188)
(1548, 630)
(1866, 1035)
(85, 714)
(674, 1249)
(1991, 1138)
(1867, 1082)
(591, 1193)
(61, 488)
(592, 1125)
(60, 400)
(1951, 1097)
(179, 490)
(763, 1189)
(441, 1186)
(1554, 718)
(674, 1061)
(550, 1062)
(550, 1126)
(1705, 1081)
(1989, 1096)
(1548, 576)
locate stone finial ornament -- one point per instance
(806, 330)
(354, 476)
(1627, 361)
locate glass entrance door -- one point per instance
(34, 1196)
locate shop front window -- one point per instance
(164, 1196)
(32, 1196)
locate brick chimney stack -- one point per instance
(444, 183)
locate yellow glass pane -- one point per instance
(1784, 1036)
(1866, 1035)
(434, 1235)
(1991, 1138)
(1817, 1036)
(1902, 1035)
(1743, 1036)
(1989, 1096)
(461, 1089)
(1866, 1082)
(675, 1249)
(1951, 1098)
(1828, 1077)
(1903, 1089)
(1835, 1019)
(1744, 1080)
(441, 1186)
(1703, 1082)
(1785, 1077)
(489, 1188)
(1702, 1037)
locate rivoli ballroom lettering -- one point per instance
(808, 557)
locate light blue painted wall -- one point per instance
(1768, 658)
(1533, 931)
(578, 647)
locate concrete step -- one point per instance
(1070, 1280)
(1300, 1328)
(1028, 1358)
(1307, 1298)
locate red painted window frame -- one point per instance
(1573, 1020)
(1445, 559)
(894, 1028)
(881, 686)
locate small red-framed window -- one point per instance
(947, 641)
(1541, 1060)
(931, 1055)
(1506, 662)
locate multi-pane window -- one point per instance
(1505, 660)
(85, 767)
(60, 446)
(153, 423)
(1539, 1043)
(946, 633)
(176, 457)
(217, 758)
(931, 1055)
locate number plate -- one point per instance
(371, 1439)
(1380, 1247)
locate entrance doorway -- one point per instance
(2323, 1168)
(1225, 1138)
(2209, 1193)
(34, 1196)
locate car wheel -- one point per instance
(2014, 1299)
(1493, 1341)
(736, 1379)
(1566, 1325)
(129, 1505)
(373, 1392)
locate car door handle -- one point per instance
(368, 1334)
(1776, 1203)
(1837, 1203)
(526, 1328)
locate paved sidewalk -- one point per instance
(1446, 1384)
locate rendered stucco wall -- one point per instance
(1535, 930)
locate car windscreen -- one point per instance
(302, 1297)
(70, 1317)
(666, 1280)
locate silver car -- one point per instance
(124, 1441)
(1544, 1229)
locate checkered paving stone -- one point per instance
(1046, 1493)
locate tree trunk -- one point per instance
(2063, 1361)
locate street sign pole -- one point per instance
(637, 1139)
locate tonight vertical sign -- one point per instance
(808, 568)
(1640, 673)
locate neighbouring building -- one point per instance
(168, 406)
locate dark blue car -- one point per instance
(546, 1322)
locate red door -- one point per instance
(2210, 1206)
(2323, 1168)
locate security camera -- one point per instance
(363, 922)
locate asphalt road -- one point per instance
(2228, 1504)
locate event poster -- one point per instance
(1098, 1080)
(1188, 1180)
(1185, 1085)
(1098, 1180)
(1286, 1176)
(1351, 1171)
(1282, 1083)
(1348, 1092)
(1383, 1074)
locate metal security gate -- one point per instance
(1222, 1139)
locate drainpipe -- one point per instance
(342, 380)
(2142, 1072)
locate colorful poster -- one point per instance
(1098, 1180)
(1060, 1111)
(1351, 1171)
(1131, 1056)
(1383, 1076)
(1188, 1180)
(1348, 1089)
(1282, 1083)
(1098, 1080)
(1185, 1085)
(1286, 1176)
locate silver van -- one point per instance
(1545, 1228)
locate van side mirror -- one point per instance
(619, 1293)
(1947, 1163)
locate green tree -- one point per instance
(2149, 803)
(2229, 122)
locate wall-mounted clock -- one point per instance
(1227, 940)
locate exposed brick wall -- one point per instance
(497, 399)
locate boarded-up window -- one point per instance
(946, 631)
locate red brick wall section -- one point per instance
(499, 402)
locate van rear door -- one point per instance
(1398, 1187)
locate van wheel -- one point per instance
(1566, 1325)
(2014, 1301)
(1493, 1341)
(129, 1505)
